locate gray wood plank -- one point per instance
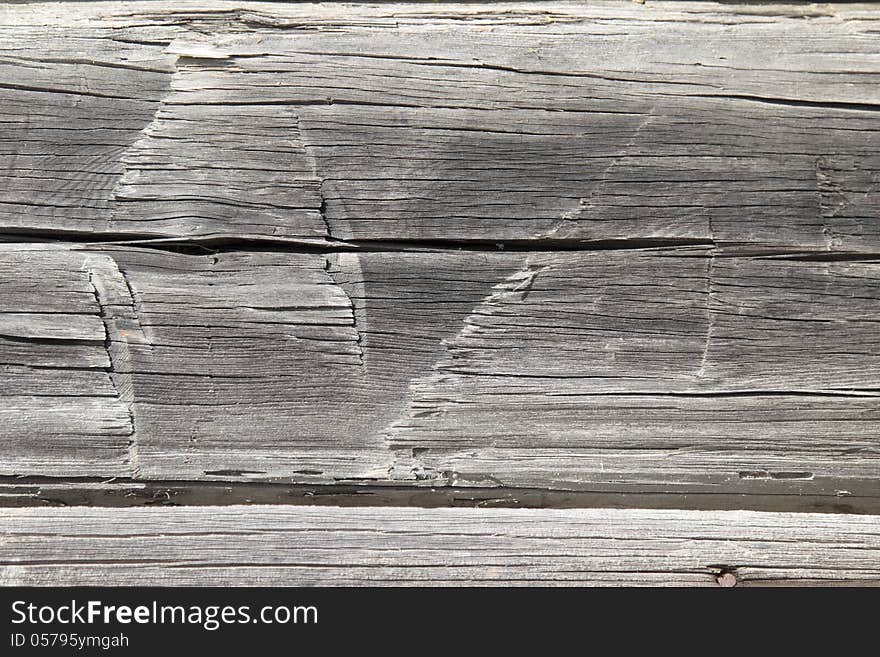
(304, 546)
(72, 102)
(548, 121)
(665, 371)
(665, 297)
(232, 364)
(61, 413)
(637, 367)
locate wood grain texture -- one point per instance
(647, 366)
(598, 249)
(545, 121)
(301, 546)
(327, 258)
(667, 370)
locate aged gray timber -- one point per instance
(666, 370)
(747, 124)
(398, 546)
(577, 248)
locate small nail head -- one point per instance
(726, 580)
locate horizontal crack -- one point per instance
(795, 102)
(19, 491)
(217, 244)
(212, 244)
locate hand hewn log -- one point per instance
(303, 546)
(533, 121)
(664, 370)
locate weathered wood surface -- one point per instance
(220, 546)
(603, 249)
(542, 121)
(672, 370)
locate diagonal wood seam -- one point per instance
(515, 287)
(118, 310)
(333, 266)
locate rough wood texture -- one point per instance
(449, 122)
(537, 254)
(304, 546)
(673, 370)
